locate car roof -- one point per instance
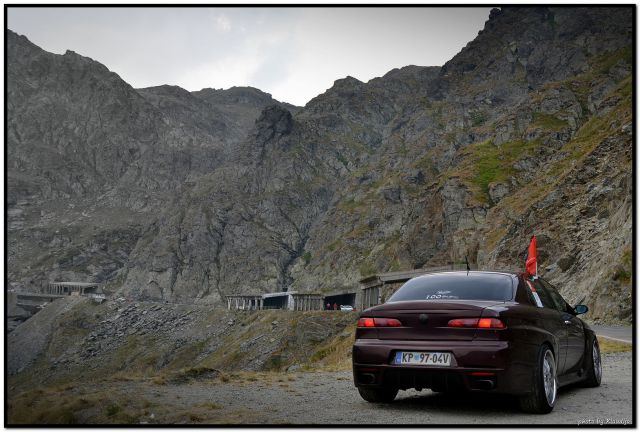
(470, 272)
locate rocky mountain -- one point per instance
(90, 159)
(188, 196)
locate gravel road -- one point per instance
(330, 398)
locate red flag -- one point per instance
(531, 265)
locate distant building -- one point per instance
(289, 300)
(73, 288)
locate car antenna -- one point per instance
(466, 260)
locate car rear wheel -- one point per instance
(545, 384)
(594, 365)
(379, 394)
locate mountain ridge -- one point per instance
(419, 167)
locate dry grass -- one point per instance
(107, 396)
(66, 405)
(210, 405)
(612, 346)
(335, 355)
(110, 405)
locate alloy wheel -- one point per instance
(549, 377)
(597, 363)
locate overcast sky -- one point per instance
(292, 53)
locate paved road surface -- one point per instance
(619, 333)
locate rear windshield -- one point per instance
(456, 286)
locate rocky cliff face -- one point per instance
(186, 196)
(91, 160)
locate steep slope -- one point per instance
(77, 129)
(73, 126)
(431, 197)
(526, 131)
(90, 158)
(245, 227)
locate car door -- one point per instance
(575, 330)
(552, 319)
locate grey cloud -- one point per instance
(293, 53)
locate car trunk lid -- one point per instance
(428, 320)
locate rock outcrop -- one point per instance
(188, 196)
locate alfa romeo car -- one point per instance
(475, 331)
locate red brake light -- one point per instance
(366, 322)
(484, 323)
(379, 322)
(464, 322)
(387, 322)
(493, 323)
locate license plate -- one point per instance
(423, 358)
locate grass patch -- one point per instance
(367, 269)
(159, 380)
(487, 163)
(210, 405)
(593, 132)
(334, 245)
(351, 205)
(623, 275)
(605, 62)
(582, 84)
(548, 122)
(191, 374)
(113, 410)
(335, 354)
(274, 363)
(184, 356)
(55, 405)
(624, 270)
(611, 346)
(343, 160)
(395, 265)
(477, 118)
(134, 358)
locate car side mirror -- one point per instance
(580, 309)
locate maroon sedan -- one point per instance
(475, 331)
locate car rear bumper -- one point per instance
(495, 366)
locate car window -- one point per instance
(453, 286)
(532, 293)
(561, 304)
(539, 290)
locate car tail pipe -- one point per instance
(367, 376)
(482, 380)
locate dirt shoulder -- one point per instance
(321, 398)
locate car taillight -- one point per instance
(487, 323)
(387, 322)
(379, 322)
(366, 322)
(493, 323)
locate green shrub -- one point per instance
(477, 118)
(113, 410)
